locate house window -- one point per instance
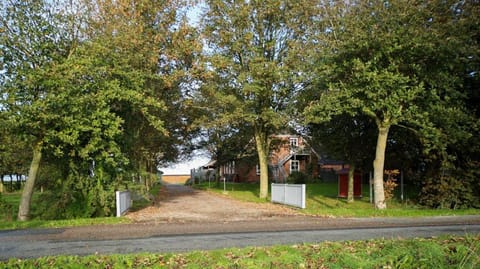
(258, 169)
(294, 142)
(294, 166)
(230, 168)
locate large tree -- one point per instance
(86, 80)
(31, 40)
(396, 62)
(249, 47)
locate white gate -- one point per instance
(124, 202)
(289, 194)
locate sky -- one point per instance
(183, 168)
(199, 159)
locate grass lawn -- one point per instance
(8, 216)
(442, 252)
(322, 200)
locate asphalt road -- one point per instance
(16, 244)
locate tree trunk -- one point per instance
(24, 208)
(1, 184)
(261, 140)
(378, 166)
(351, 174)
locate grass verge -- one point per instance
(322, 200)
(11, 225)
(442, 252)
(9, 204)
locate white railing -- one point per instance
(289, 194)
(123, 201)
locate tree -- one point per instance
(394, 62)
(29, 42)
(78, 79)
(251, 67)
(347, 139)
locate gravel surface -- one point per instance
(180, 204)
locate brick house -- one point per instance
(290, 153)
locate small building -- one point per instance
(343, 183)
(291, 153)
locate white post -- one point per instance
(304, 196)
(117, 199)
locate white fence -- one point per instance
(201, 174)
(124, 202)
(289, 194)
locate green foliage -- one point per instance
(6, 210)
(79, 196)
(453, 188)
(298, 177)
(401, 64)
(442, 252)
(251, 69)
(101, 84)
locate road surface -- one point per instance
(17, 243)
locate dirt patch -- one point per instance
(177, 203)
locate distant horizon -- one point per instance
(183, 168)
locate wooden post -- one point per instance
(401, 184)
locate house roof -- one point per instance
(210, 164)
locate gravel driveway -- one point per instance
(178, 203)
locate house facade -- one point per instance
(290, 153)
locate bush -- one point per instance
(390, 184)
(450, 191)
(78, 197)
(299, 178)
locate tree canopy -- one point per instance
(84, 81)
(250, 60)
(98, 92)
(400, 64)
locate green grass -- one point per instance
(442, 252)
(12, 200)
(9, 225)
(322, 200)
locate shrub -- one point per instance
(452, 188)
(390, 184)
(299, 178)
(79, 197)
